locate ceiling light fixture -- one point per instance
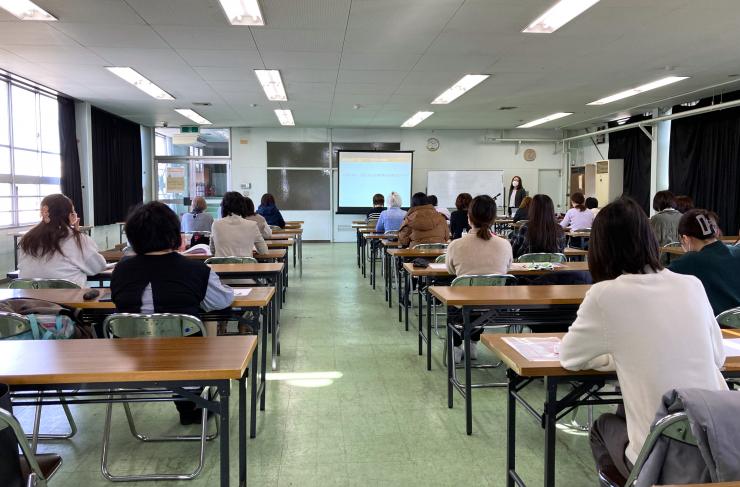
(416, 119)
(639, 89)
(546, 119)
(457, 90)
(242, 12)
(272, 83)
(558, 15)
(26, 10)
(285, 117)
(132, 76)
(193, 115)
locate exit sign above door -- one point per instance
(190, 130)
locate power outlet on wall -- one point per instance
(246, 186)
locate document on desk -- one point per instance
(242, 291)
(438, 266)
(732, 347)
(545, 349)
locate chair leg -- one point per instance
(37, 435)
(142, 437)
(157, 476)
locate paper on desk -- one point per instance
(110, 265)
(536, 349)
(438, 266)
(242, 291)
(732, 347)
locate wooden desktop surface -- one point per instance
(416, 252)
(391, 243)
(509, 295)
(258, 297)
(515, 270)
(124, 360)
(283, 242)
(527, 368)
(116, 255)
(225, 269)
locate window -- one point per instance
(30, 161)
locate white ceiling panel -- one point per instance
(300, 60)
(299, 39)
(33, 34)
(112, 35)
(91, 11)
(390, 60)
(306, 14)
(206, 13)
(69, 55)
(221, 58)
(224, 37)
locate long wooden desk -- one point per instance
(130, 367)
(272, 255)
(297, 234)
(532, 306)
(583, 388)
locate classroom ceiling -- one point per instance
(374, 63)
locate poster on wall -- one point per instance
(175, 180)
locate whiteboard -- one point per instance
(446, 185)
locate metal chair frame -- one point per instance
(430, 246)
(37, 478)
(28, 283)
(13, 324)
(542, 257)
(232, 259)
(180, 325)
(730, 318)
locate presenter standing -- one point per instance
(516, 194)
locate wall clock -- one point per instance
(432, 144)
(530, 155)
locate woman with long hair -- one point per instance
(459, 217)
(654, 327)
(55, 248)
(269, 210)
(541, 233)
(516, 194)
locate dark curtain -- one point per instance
(71, 176)
(705, 160)
(633, 146)
(116, 160)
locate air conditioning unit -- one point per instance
(192, 140)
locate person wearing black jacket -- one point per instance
(459, 218)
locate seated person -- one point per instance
(197, 220)
(665, 221)
(250, 214)
(390, 220)
(160, 280)
(459, 217)
(55, 248)
(592, 204)
(578, 217)
(422, 224)
(715, 264)
(478, 252)
(684, 203)
(653, 326)
(433, 201)
(269, 211)
(233, 235)
(541, 233)
(378, 207)
(522, 213)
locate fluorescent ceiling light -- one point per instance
(285, 117)
(243, 12)
(136, 79)
(416, 119)
(272, 84)
(640, 89)
(466, 83)
(193, 115)
(26, 10)
(546, 119)
(559, 14)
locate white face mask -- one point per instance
(515, 183)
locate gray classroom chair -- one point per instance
(729, 318)
(157, 325)
(431, 246)
(231, 260)
(42, 284)
(542, 257)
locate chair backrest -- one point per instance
(391, 232)
(484, 280)
(13, 324)
(441, 259)
(729, 318)
(42, 284)
(674, 426)
(672, 245)
(431, 246)
(275, 227)
(542, 257)
(156, 325)
(231, 260)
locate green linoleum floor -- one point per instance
(352, 404)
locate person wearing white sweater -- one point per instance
(655, 328)
(232, 235)
(56, 249)
(478, 252)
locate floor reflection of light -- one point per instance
(305, 379)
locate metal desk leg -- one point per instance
(430, 298)
(300, 254)
(468, 374)
(550, 420)
(357, 237)
(373, 251)
(407, 297)
(275, 343)
(295, 248)
(266, 324)
(15, 250)
(421, 313)
(510, 430)
(450, 363)
(253, 402)
(363, 245)
(224, 432)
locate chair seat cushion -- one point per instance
(49, 463)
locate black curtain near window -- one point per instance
(705, 160)
(71, 177)
(116, 160)
(633, 146)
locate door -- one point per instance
(549, 183)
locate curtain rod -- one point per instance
(653, 121)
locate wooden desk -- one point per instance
(516, 270)
(582, 387)
(272, 255)
(571, 252)
(130, 365)
(283, 243)
(521, 304)
(403, 255)
(297, 234)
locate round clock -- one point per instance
(432, 144)
(530, 155)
